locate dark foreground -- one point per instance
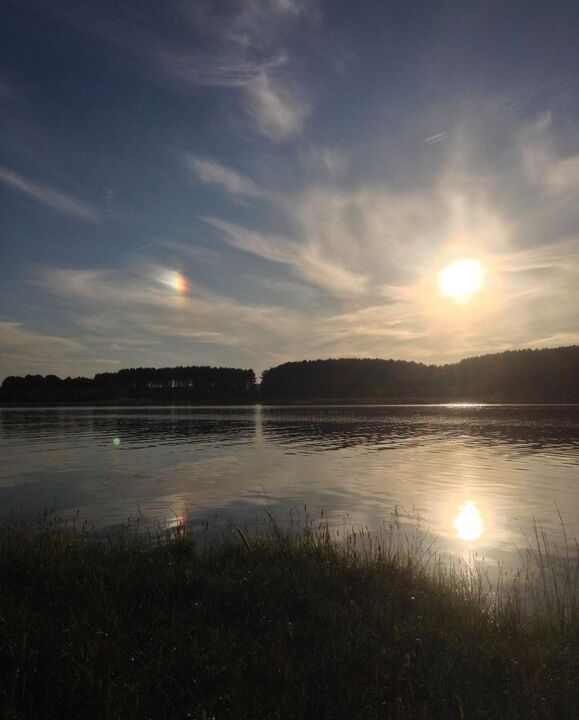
(268, 628)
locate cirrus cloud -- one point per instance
(48, 197)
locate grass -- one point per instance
(281, 625)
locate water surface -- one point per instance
(478, 476)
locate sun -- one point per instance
(461, 279)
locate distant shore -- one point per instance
(307, 402)
(516, 376)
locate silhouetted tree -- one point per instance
(172, 384)
(550, 375)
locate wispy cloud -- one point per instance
(213, 173)
(376, 253)
(331, 161)
(556, 256)
(227, 69)
(33, 352)
(557, 174)
(370, 241)
(244, 52)
(306, 261)
(276, 107)
(562, 177)
(354, 257)
(438, 137)
(145, 312)
(268, 94)
(48, 197)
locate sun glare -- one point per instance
(468, 522)
(461, 279)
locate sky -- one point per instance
(247, 182)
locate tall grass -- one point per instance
(544, 587)
(298, 622)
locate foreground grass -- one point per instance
(274, 627)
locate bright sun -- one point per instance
(461, 279)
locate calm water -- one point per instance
(476, 475)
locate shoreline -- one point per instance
(335, 402)
(274, 626)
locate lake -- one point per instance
(478, 476)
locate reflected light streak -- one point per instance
(463, 405)
(178, 522)
(468, 522)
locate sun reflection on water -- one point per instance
(468, 521)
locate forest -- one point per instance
(192, 384)
(549, 375)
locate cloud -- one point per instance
(219, 70)
(243, 52)
(438, 137)
(562, 176)
(140, 319)
(147, 314)
(558, 175)
(262, 24)
(348, 243)
(306, 261)
(211, 172)
(354, 261)
(241, 48)
(374, 253)
(53, 199)
(26, 351)
(276, 107)
(330, 160)
(557, 256)
(270, 98)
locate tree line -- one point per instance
(193, 384)
(550, 375)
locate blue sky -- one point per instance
(245, 183)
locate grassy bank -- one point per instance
(280, 626)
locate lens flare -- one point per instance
(468, 522)
(461, 279)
